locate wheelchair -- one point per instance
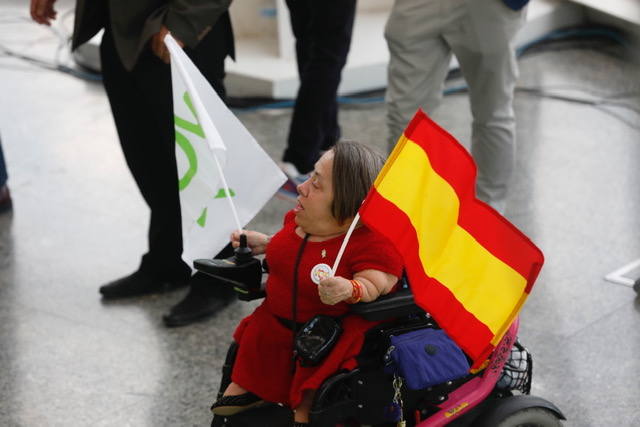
(496, 396)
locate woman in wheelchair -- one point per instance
(299, 286)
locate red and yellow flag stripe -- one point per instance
(468, 266)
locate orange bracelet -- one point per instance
(356, 294)
(358, 286)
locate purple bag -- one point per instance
(425, 358)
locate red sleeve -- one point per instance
(372, 251)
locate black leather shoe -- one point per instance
(137, 284)
(5, 199)
(205, 298)
(231, 405)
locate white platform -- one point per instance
(266, 64)
(621, 10)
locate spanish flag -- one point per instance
(467, 265)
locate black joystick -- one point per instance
(243, 252)
(243, 271)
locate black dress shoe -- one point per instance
(5, 199)
(205, 298)
(231, 405)
(137, 284)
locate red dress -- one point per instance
(264, 361)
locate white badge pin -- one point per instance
(319, 272)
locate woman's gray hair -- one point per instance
(355, 168)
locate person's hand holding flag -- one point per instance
(159, 48)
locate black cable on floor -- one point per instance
(63, 43)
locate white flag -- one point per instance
(209, 136)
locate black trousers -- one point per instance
(142, 106)
(3, 168)
(323, 36)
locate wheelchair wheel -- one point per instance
(531, 417)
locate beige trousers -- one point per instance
(422, 35)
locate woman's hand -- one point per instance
(256, 241)
(332, 290)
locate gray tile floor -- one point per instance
(68, 359)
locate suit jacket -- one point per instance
(133, 22)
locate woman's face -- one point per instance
(313, 213)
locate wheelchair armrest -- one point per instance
(396, 304)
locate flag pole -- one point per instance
(208, 127)
(228, 193)
(344, 243)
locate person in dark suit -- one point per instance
(137, 79)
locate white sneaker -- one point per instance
(292, 173)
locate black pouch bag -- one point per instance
(316, 339)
